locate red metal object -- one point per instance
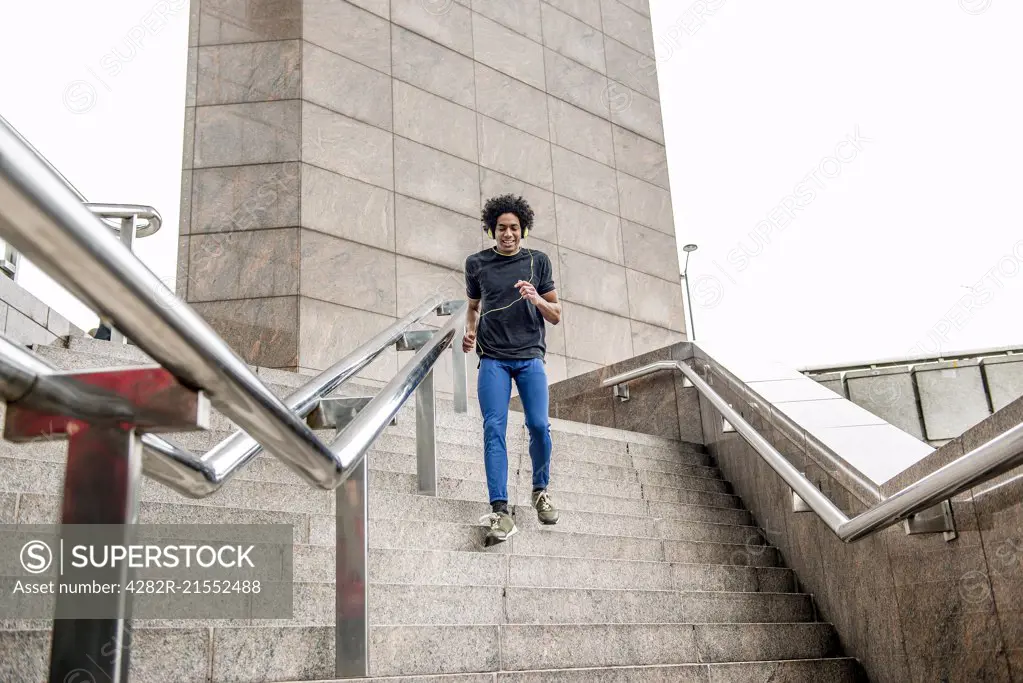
(151, 396)
(102, 414)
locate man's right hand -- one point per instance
(468, 342)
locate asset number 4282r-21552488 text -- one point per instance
(191, 587)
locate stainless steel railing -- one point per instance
(46, 222)
(44, 218)
(982, 463)
(128, 221)
(198, 476)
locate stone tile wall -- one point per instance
(337, 155)
(658, 404)
(910, 607)
(27, 320)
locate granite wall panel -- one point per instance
(374, 131)
(909, 607)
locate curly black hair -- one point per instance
(507, 203)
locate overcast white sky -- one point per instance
(890, 231)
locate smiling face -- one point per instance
(508, 233)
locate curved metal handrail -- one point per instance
(152, 218)
(862, 487)
(982, 463)
(46, 221)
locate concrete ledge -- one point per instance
(659, 404)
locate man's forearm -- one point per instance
(550, 311)
(472, 318)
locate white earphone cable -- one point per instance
(495, 310)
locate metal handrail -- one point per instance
(112, 211)
(43, 217)
(120, 212)
(53, 169)
(198, 476)
(982, 463)
(862, 487)
(47, 222)
(221, 461)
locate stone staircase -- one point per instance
(655, 572)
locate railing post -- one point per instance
(426, 436)
(104, 468)
(100, 504)
(127, 236)
(351, 630)
(459, 374)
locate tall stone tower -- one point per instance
(337, 154)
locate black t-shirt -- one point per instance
(510, 327)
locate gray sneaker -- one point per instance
(502, 527)
(545, 510)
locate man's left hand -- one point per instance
(528, 292)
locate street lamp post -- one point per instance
(688, 249)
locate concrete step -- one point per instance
(468, 537)
(440, 649)
(316, 563)
(663, 452)
(835, 670)
(580, 606)
(307, 653)
(559, 482)
(468, 446)
(733, 578)
(595, 437)
(568, 493)
(472, 449)
(404, 460)
(551, 542)
(591, 525)
(27, 476)
(428, 567)
(318, 529)
(68, 360)
(388, 505)
(102, 353)
(45, 509)
(136, 355)
(684, 472)
(463, 462)
(397, 604)
(589, 535)
(563, 432)
(45, 478)
(281, 384)
(40, 477)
